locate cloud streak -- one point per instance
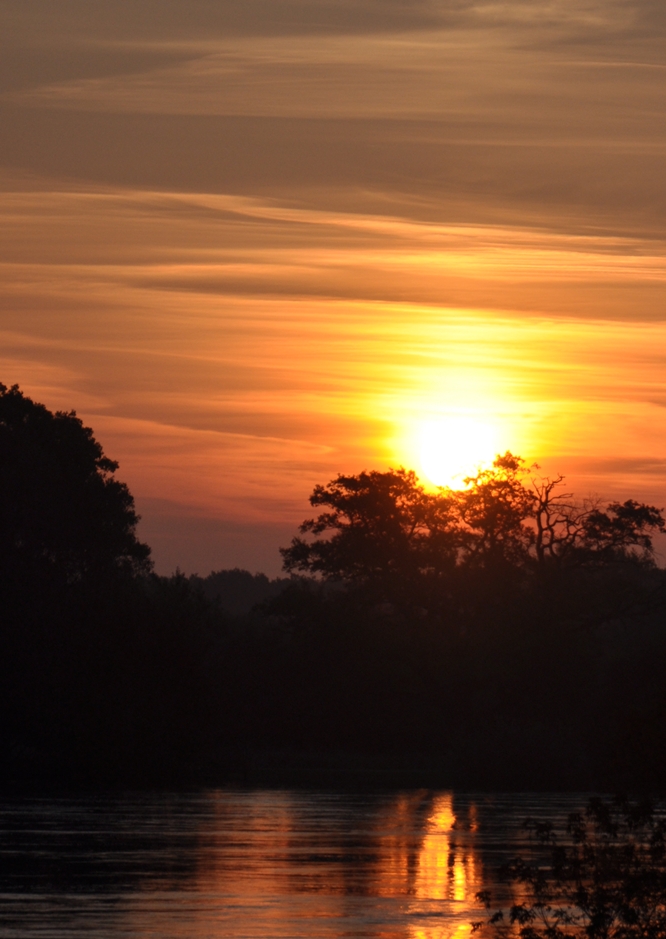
(256, 243)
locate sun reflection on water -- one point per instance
(442, 932)
(429, 858)
(278, 865)
(445, 871)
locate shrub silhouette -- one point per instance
(604, 877)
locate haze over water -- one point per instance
(255, 244)
(258, 863)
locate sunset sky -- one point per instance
(255, 243)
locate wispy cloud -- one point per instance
(232, 351)
(256, 243)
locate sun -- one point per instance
(451, 448)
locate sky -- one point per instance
(257, 243)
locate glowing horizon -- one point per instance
(253, 253)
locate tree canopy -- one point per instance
(380, 525)
(62, 511)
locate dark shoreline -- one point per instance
(338, 770)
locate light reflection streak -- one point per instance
(445, 871)
(271, 865)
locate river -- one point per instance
(258, 863)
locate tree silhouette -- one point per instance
(63, 515)
(494, 509)
(624, 530)
(568, 532)
(380, 525)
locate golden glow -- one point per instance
(445, 871)
(432, 881)
(461, 931)
(225, 399)
(454, 447)
(242, 308)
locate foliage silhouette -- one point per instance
(603, 878)
(383, 524)
(493, 511)
(576, 534)
(62, 512)
(468, 626)
(507, 534)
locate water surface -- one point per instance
(257, 863)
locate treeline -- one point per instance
(499, 636)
